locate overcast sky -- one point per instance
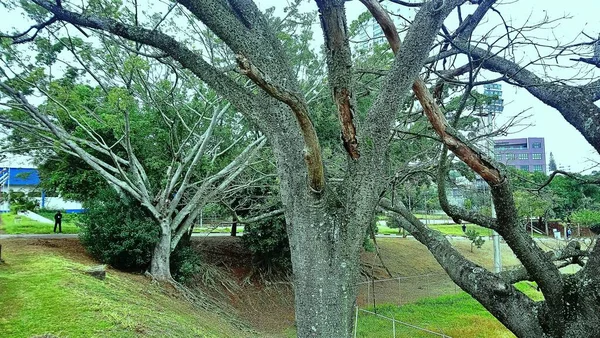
(566, 143)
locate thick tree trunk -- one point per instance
(160, 267)
(325, 276)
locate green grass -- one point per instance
(431, 216)
(69, 218)
(46, 293)
(456, 229)
(10, 225)
(530, 290)
(240, 230)
(382, 230)
(447, 229)
(456, 315)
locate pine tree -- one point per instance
(552, 163)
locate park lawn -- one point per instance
(29, 226)
(67, 217)
(43, 292)
(456, 229)
(457, 315)
(240, 230)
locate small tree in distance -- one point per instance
(475, 238)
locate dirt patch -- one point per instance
(266, 302)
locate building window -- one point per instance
(498, 157)
(510, 156)
(524, 167)
(524, 156)
(538, 167)
(536, 156)
(537, 145)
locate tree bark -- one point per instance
(325, 259)
(160, 267)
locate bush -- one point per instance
(368, 244)
(185, 263)
(268, 242)
(117, 231)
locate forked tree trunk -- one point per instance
(160, 267)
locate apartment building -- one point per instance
(527, 154)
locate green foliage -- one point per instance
(372, 229)
(71, 176)
(475, 238)
(585, 217)
(268, 242)
(185, 263)
(117, 231)
(19, 201)
(468, 204)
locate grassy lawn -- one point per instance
(431, 216)
(456, 229)
(454, 315)
(240, 230)
(44, 292)
(447, 229)
(28, 226)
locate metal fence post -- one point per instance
(399, 291)
(394, 324)
(356, 322)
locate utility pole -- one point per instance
(495, 235)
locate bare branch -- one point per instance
(312, 155)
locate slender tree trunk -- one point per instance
(160, 267)
(234, 224)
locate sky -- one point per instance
(565, 142)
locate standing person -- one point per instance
(464, 227)
(58, 221)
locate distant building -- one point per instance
(494, 90)
(371, 33)
(527, 154)
(27, 180)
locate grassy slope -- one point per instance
(454, 315)
(457, 315)
(42, 291)
(28, 226)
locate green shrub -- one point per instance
(368, 244)
(185, 263)
(117, 231)
(268, 242)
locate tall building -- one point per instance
(494, 90)
(522, 153)
(371, 33)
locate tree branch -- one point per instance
(312, 154)
(339, 66)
